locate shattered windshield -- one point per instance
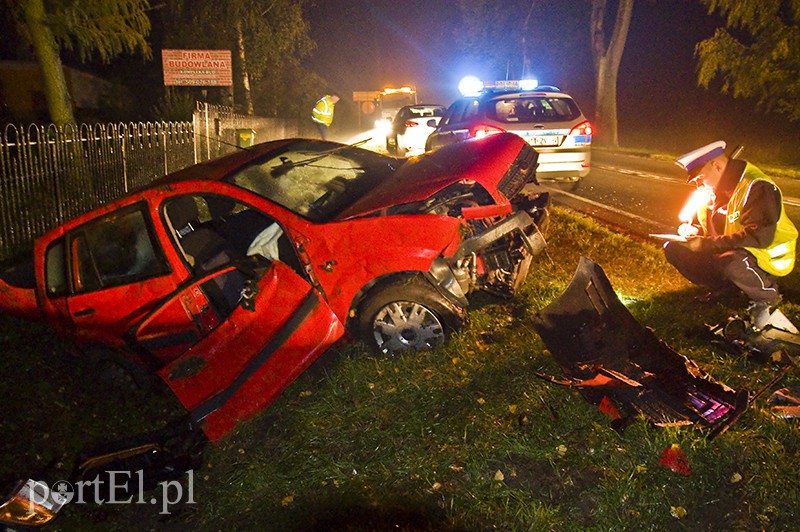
(315, 179)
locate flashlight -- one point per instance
(703, 197)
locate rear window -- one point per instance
(426, 111)
(533, 109)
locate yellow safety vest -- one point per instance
(323, 110)
(778, 257)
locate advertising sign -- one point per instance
(207, 68)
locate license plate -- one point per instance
(544, 140)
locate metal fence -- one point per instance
(216, 129)
(50, 174)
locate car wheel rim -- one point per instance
(406, 326)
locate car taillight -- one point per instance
(482, 130)
(581, 135)
(410, 123)
(584, 128)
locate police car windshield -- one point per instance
(532, 109)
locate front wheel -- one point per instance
(407, 314)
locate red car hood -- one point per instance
(485, 161)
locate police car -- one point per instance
(548, 119)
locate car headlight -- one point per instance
(32, 504)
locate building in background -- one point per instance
(22, 97)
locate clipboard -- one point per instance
(668, 237)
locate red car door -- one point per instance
(117, 271)
(232, 341)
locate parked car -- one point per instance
(411, 127)
(229, 278)
(548, 119)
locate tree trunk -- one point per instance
(248, 97)
(606, 59)
(526, 64)
(59, 102)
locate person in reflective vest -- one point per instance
(742, 240)
(322, 114)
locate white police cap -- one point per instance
(693, 161)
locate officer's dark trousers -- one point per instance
(323, 130)
(720, 271)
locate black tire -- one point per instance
(407, 314)
(568, 186)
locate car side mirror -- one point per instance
(432, 123)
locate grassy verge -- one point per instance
(461, 438)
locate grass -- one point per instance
(460, 438)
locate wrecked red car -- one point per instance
(230, 277)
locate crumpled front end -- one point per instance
(496, 252)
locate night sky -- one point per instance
(367, 45)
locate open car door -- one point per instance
(230, 342)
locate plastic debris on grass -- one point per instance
(612, 360)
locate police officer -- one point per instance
(747, 241)
(322, 114)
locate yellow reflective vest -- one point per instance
(778, 257)
(323, 110)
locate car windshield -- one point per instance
(315, 179)
(533, 109)
(416, 112)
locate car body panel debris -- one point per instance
(605, 352)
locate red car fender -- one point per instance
(19, 302)
(376, 246)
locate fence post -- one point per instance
(195, 133)
(208, 133)
(124, 132)
(164, 137)
(44, 137)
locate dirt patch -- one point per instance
(553, 485)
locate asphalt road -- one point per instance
(641, 195)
